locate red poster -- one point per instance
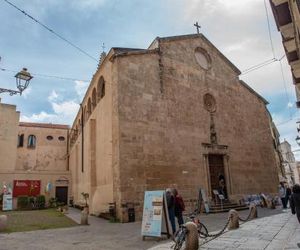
(26, 187)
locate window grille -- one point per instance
(31, 141)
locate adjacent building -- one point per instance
(33, 156)
(287, 18)
(289, 163)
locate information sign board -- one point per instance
(154, 214)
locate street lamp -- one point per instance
(298, 140)
(22, 80)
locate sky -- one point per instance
(238, 28)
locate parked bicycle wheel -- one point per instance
(179, 238)
(202, 230)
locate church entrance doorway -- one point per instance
(61, 194)
(217, 175)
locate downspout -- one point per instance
(68, 155)
(82, 140)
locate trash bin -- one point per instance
(112, 210)
(131, 215)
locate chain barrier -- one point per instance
(215, 235)
(208, 235)
(248, 217)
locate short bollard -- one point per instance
(233, 219)
(253, 212)
(192, 241)
(84, 216)
(3, 222)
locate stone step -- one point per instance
(226, 209)
(224, 205)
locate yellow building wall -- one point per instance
(93, 174)
(9, 120)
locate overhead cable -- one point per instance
(269, 29)
(52, 31)
(48, 76)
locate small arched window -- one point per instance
(103, 90)
(89, 107)
(31, 141)
(94, 101)
(20, 140)
(100, 88)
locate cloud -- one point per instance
(80, 88)
(89, 4)
(27, 92)
(239, 29)
(53, 96)
(40, 117)
(63, 112)
(66, 108)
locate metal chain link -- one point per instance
(248, 217)
(219, 233)
(215, 235)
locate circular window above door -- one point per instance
(209, 103)
(202, 58)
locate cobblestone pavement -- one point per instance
(281, 231)
(103, 235)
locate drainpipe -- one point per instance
(68, 156)
(82, 139)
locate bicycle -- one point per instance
(181, 234)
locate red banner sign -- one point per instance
(26, 187)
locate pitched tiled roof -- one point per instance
(43, 125)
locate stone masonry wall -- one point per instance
(161, 133)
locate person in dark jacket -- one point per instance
(295, 201)
(288, 194)
(171, 208)
(179, 207)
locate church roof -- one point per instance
(153, 48)
(191, 36)
(116, 52)
(254, 92)
(122, 50)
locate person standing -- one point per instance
(179, 207)
(171, 208)
(295, 201)
(282, 194)
(288, 194)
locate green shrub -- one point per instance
(52, 202)
(31, 202)
(23, 202)
(41, 201)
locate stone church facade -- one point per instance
(173, 115)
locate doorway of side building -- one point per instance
(217, 175)
(61, 194)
